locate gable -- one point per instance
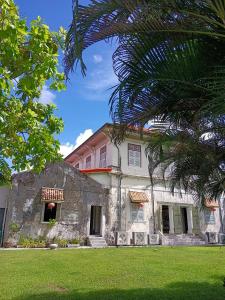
(56, 175)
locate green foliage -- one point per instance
(62, 243)
(14, 227)
(74, 241)
(170, 63)
(51, 223)
(28, 242)
(28, 61)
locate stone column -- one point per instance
(102, 230)
(89, 219)
(171, 219)
(190, 219)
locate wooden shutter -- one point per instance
(88, 162)
(137, 213)
(209, 216)
(195, 217)
(134, 155)
(177, 217)
(102, 162)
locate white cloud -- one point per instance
(67, 148)
(98, 84)
(97, 58)
(46, 97)
(102, 79)
(82, 137)
(99, 80)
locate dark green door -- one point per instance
(177, 217)
(2, 213)
(195, 217)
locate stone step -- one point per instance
(97, 242)
(98, 238)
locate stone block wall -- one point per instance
(25, 208)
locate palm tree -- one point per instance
(170, 62)
(193, 157)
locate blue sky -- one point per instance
(84, 106)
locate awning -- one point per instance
(138, 197)
(211, 203)
(52, 194)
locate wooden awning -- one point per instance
(52, 194)
(138, 197)
(211, 203)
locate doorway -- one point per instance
(184, 219)
(165, 219)
(95, 222)
(2, 214)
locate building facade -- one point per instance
(137, 210)
(102, 194)
(60, 196)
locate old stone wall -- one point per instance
(73, 215)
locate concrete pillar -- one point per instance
(190, 219)
(171, 219)
(89, 219)
(102, 223)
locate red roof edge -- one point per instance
(96, 170)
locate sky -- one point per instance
(84, 105)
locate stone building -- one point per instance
(102, 193)
(59, 193)
(139, 214)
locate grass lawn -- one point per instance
(109, 274)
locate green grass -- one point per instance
(109, 274)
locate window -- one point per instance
(137, 213)
(77, 166)
(102, 162)
(88, 162)
(49, 211)
(209, 216)
(134, 155)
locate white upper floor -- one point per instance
(100, 152)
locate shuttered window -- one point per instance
(88, 162)
(137, 213)
(134, 155)
(102, 161)
(209, 216)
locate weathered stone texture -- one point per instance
(73, 216)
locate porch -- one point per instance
(174, 218)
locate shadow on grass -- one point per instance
(175, 291)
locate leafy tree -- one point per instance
(170, 63)
(28, 60)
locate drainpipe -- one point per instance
(153, 201)
(220, 212)
(119, 188)
(153, 207)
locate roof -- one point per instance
(211, 203)
(89, 139)
(96, 170)
(105, 130)
(52, 194)
(138, 197)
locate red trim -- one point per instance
(97, 170)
